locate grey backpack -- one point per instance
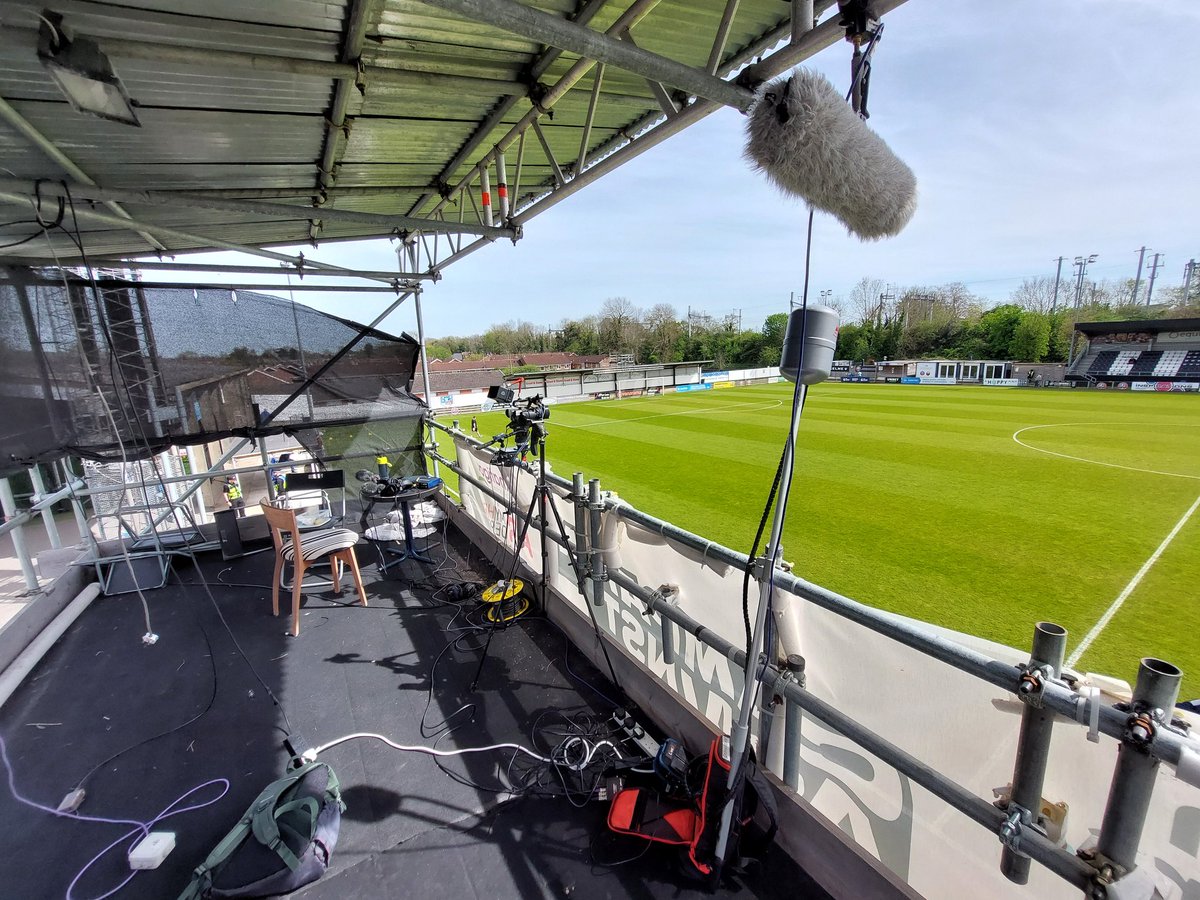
(281, 843)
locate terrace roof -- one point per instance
(271, 124)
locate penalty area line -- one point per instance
(1099, 627)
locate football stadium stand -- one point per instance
(1160, 355)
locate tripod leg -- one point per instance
(482, 659)
(521, 536)
(543, 495)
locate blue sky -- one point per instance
(1035, 129)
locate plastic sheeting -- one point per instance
(87, 366)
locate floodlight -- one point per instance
(83, 73)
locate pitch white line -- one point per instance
(1096, 462)
(1129, 588)
(769, 404)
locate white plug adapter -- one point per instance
(152, 850)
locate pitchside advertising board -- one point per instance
(968, 730)
(922, 379)
(1167, 387)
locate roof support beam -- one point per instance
(290, 193)
(819, 38)
(554, 166)
(149, 51)
(558, 32)
(200, 285)
(48, 147)
(387, 224)
(281, 269)
(803, 18)
(718, 47)
(665, 101)
(824, 35)
(637, 11)
(547, 59)
(207, 242)
(586, 137)
(356, 32)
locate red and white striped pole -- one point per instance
(502, 187)
(486, 185)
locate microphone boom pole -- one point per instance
(808, 347)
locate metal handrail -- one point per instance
(1167, 744)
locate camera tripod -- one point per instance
(509, 589)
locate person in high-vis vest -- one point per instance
(233, 493)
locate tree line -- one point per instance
(1034, 325)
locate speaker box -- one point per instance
(229, 534)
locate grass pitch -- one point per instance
(917, 499)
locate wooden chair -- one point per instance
(335, 543)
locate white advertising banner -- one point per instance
(504, 526)
(460, 399)
(951, 721)
(926, 370)
(1177, 337)
(754, 374)
(1001, 382)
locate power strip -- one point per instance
(635, 732)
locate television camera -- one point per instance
(525, 418)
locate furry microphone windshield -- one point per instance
(808, 140)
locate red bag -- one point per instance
(641, 813)
(695, 824)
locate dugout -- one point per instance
(937, 371)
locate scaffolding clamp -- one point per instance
(667, 593)
(1031, 686)
(1014, 824)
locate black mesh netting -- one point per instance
(88, 367)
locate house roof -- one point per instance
(458, 381)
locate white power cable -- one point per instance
(310, 755)
(590, 750)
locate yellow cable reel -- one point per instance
(504, 601)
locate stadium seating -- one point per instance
(1101, 363)
(1169, 364)
(1190, 367)
(1146, 363)
(1124, 362)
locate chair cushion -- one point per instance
(316, 544)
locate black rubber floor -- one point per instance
(409, 830)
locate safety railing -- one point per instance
(41, 505)
(1144, 727)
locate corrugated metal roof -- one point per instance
(226, 125)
